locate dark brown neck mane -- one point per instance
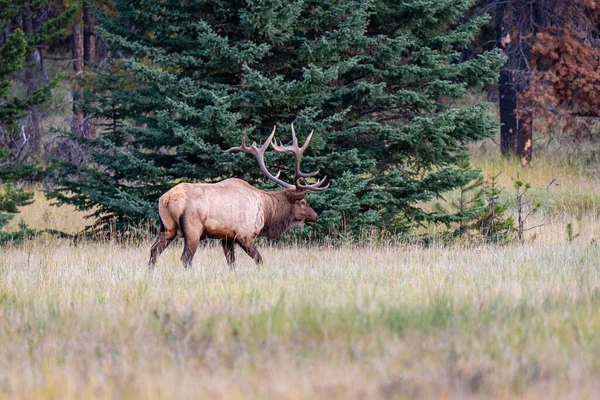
(278, 214)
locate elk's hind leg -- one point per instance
(191, 236)
(164, 238)
(250, 249)
(228, 249)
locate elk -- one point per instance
(234, 211)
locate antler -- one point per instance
(259, 154)
(297, 152)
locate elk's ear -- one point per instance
(293, 196)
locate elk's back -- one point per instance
(228, 208)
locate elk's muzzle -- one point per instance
(312, 217)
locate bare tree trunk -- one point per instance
(34, 77)
(525, 138)
(77, 49)
(89, 37)
(507, 91)
(507, 106)
(89, 56)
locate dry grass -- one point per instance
(41, 215)
(573, 197)
(575, 167)
(89, 321)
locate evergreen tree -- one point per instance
(374, 79)
(467, 205)
(13, 54)
(493, 223)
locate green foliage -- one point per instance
(492, 222)
(374, 79)
(466, 206)
(12, 57)
(524, 208)
(477, 213)
(13, 53)
(10, 199)
(54, 29)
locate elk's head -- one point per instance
(294, 193)
(301, 211)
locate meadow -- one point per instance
(384, 320)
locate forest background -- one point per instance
(456, 254)
(109, 104)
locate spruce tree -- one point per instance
(467, 205)
(376, 80)
(13, 53)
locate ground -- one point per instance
(90, 321)
(379, 320)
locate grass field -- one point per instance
(91, 322)
(388, 321)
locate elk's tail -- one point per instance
(161, 225)
(168, 225)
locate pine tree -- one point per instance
(374, 79)
(13, 55)
(467, 205)
(493, 223)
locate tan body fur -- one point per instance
(232, 211)
(231, 208)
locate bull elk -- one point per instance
(234, 211)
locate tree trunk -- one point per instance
(525, 138)
(89, 37)
(507, 91)
(34, 77)
(507, 105)
(77, 49)
(89, 56)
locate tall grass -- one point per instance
(42, 216)
(90, 321)
(565, 179)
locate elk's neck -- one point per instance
(278, 215)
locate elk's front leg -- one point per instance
(228, 249)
